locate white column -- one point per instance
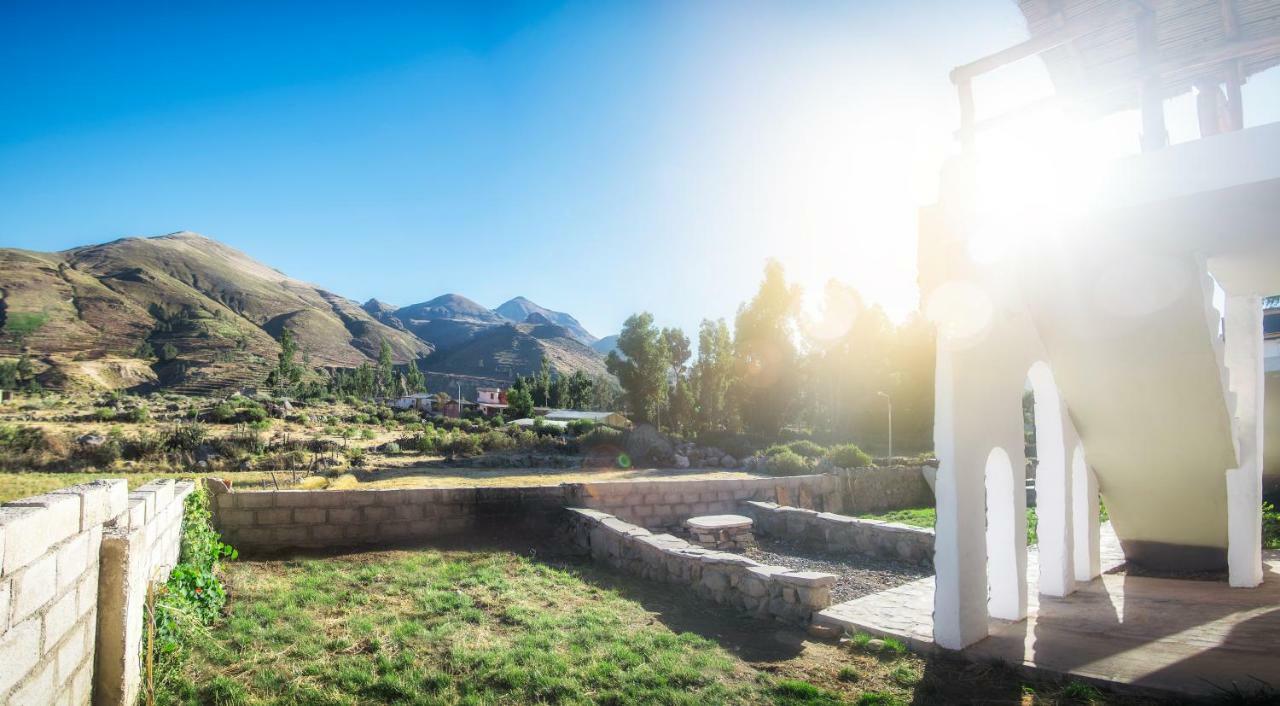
(1006, 485)
(1087, 544)
(960, 581)
(1053, 486)
(1243, 356)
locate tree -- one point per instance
(519, 400)
(559, 397)
(384, 381)
(414, 379)
(712, 376)
(287, 374)
(541, 387)
(641, 367)
(579, 391)
(767, 361)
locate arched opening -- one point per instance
(1050, 489)
(1006, 538)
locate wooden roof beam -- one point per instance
(1069, 31)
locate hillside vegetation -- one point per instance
(186, 313)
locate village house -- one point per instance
(491, 400)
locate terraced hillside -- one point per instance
(203, 316)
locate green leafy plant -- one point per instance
(848, 456)
(194, 595)
(788, 463)
(1270, 526)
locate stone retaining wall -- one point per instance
(877, 489)
(666, 504)
(729, 579)
(841, 533)
(141, 548)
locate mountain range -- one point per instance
(187, 313)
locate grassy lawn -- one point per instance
(497, 627)
(21, 485)
(927, 517)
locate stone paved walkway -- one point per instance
(1193, 637)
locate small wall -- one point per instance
(49, 548)
(841, 533)
(666, 504)
(729, 579)
(877, 489)
(140, 549)
(268, 520)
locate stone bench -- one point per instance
(721, 532)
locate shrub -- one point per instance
(355, 456)
(102, 455)
(1270, 526)
(578, 427)
(20, 439)
(104, 414)
(186, 437)
(138, 415)
(787, 463)
(408, 417)
(223, 413)
(807, 448)
(601, 436)
(253, 413)
(368, 434)
(848, 456)
(462, 444)
(494, 440)
(144, 446)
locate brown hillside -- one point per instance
(220, 309)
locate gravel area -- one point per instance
(859, 575)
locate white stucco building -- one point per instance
(1095, 282)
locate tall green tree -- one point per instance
(579, 391)
(713, 376)
(541, 385)
(519, 400)
(767, 360)
(641, 368)
(287, 374)
(384, 382)
(414, 379)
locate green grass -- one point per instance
(927, 517)
(21, 485)
(433, 627)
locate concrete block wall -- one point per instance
(49, 590)
(273, 520)
(841, 533)
(270, 520)
(140, 549)
(666, 504)
(729, 579)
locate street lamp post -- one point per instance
(889, 401)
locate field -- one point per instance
(495, 625)
(332, 444)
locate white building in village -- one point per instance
(1096, 283)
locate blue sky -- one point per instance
(597, 157)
